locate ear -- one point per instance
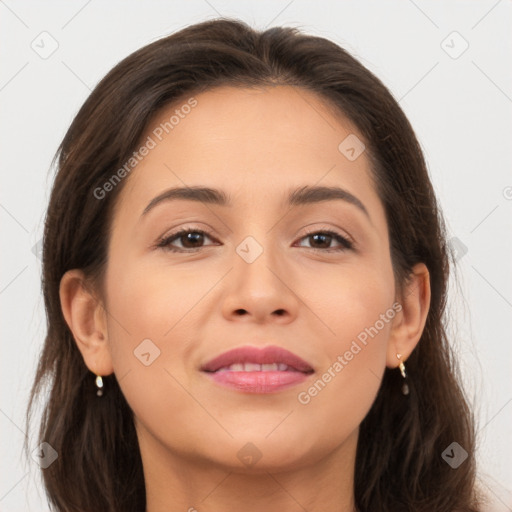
(87, 320)
(410, 321)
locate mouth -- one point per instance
(258, 370)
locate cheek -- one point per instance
(349, 301)
(152, 313)
(154, 302)
(357, 309)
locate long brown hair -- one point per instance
(399, 463)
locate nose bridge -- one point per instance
(256, 263)
(258, 244)
(258, 280)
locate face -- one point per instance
(309, 280)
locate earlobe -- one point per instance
(87, 320)
(408, 325)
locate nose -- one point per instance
(260, 291)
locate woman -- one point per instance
(245, 274)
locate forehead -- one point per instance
(277, 116)
(253, 142)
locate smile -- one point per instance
(257, 370)
(255, 367)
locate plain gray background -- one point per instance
(448, 64)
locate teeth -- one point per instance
(254, 367)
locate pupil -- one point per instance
(328, 237)
(192, 237)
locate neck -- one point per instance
(174, 483)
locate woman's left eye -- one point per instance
(326, 237)
(189, 238)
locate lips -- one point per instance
(257, 370)
(252, 359)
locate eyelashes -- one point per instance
(318, 236)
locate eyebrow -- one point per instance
(299, 197)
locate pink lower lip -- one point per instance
(259, 381)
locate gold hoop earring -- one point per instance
(405, 386)
(99, 385)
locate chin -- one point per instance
(253, 451)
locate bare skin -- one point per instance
(311, 296)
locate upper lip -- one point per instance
(265, 355)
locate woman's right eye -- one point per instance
(185, 236)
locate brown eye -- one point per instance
(189, 239)
(322, 240)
